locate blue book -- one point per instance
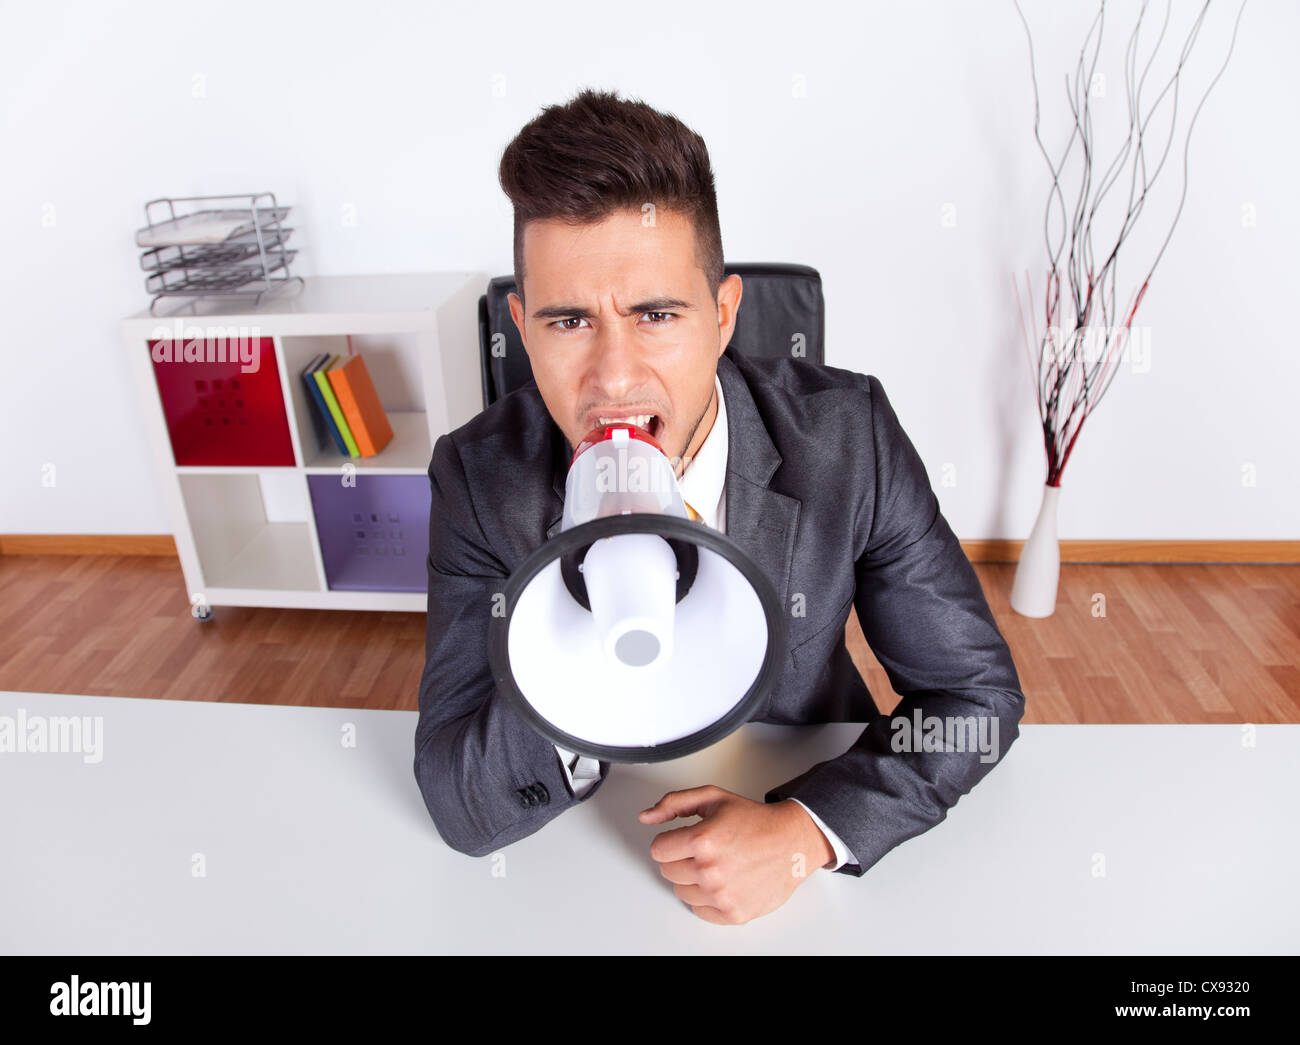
(319, 399)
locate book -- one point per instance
(332, 404)
(360, 404)
(313, 390)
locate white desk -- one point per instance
(313, 847)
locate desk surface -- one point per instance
(311, 846)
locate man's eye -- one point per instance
(658, 319)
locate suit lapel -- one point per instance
(761, 520)
(562, 454)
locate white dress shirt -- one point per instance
(703, 486)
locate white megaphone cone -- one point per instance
(635, 634)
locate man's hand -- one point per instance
(743, 860)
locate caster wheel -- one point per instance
(201, 611)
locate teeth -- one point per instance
(640, 420)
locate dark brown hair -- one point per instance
(598, 153)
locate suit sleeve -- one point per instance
(488, 779)
(926, 619)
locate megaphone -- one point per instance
(635, 634)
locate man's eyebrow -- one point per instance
(660, 304)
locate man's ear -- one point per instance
(729, 294)
(517, 314)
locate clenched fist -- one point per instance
(743, 860)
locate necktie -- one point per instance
(695, 516)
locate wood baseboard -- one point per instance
(87, 544)
(977, 551)
(1145, 551)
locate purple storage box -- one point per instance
(374, 536)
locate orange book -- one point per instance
(360, 405)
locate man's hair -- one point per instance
(581, 161)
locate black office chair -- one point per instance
(779, 303)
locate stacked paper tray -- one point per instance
(200, 245)
(209, 226)
(235, 251)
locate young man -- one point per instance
(625, 313)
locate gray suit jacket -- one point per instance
(826, 492)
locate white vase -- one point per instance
(1034, 592)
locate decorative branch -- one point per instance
(1067, 388)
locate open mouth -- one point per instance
(648, 423)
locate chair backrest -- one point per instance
(779, 304)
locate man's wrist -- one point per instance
(817, 846)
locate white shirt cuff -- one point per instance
(581, 774)
(842, 854)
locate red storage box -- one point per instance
(222, 408)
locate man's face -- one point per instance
(620, 322)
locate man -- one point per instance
(625, 312)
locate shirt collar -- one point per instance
(703, 480)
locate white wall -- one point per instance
(394, 111)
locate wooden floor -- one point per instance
(1129, 643)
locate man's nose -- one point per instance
(617, 369)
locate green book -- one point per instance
(327, 391)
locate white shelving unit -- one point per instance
(249, 533)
